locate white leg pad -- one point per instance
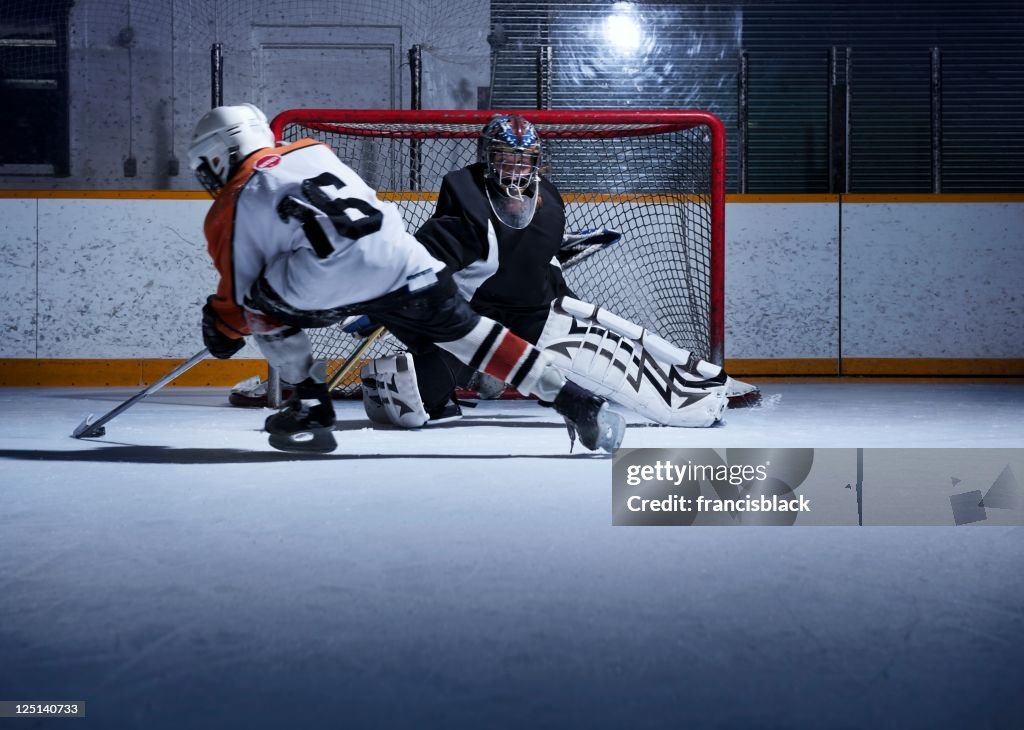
(656, 345)
(616, 364)
(391, 395)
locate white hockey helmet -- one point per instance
(224, 137)
(509, 148)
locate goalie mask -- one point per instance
(510, 152)
(224, 137)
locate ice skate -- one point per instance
(588, 416)
(303, 426)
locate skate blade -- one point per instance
(442, 420)
(613, 431)
(313, 440)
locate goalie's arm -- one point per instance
(450, 235)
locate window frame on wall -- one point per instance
(34, 90)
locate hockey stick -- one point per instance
(94, 429)
(354, 358)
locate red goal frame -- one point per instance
(667, 120)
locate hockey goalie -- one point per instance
(499, 226)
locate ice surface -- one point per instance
(179, 572)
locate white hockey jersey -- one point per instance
(308, 223)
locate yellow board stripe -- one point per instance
(138, 373)
(27, 372)
(109, 194)
(880, 366)
(742, 367)
(934, 198)
(569, 197)
(781, 198)
(407, 195)
(633, 198)
(857, 198)
(936, 367)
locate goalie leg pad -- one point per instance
(391, 395)
(620, 368)
(692, 367)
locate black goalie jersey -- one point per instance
(507, 274)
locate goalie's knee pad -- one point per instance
(391, 394)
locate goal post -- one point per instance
(656, 176)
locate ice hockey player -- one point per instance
(300, 240)
(499, 226)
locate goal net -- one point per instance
(657, 177)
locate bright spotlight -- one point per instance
(621, 29)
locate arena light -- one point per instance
(622, 30)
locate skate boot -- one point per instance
(588, 416)
(450, 410)
(306, 423)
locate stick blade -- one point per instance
(86, 430)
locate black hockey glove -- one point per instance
(220, 345)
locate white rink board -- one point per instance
(125, 278)
(781, 280)
(18, 277)
(122, 278)
(933, 280)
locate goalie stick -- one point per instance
(94, 429)
(354, 358)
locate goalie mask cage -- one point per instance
(658, 177)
